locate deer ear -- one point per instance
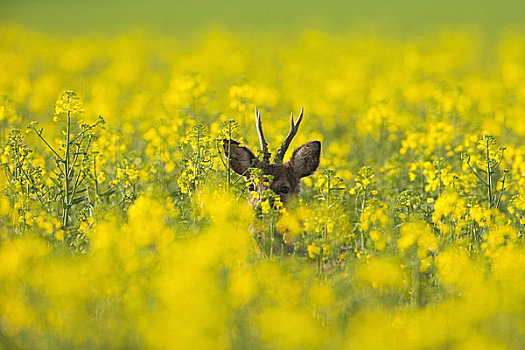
(241, 158)
(305, 159)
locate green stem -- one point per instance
(475, 173)
(66, 172)
(272, 238)
(39, 134)
(229, 153)
(39, 197)
(77, 183)
(489, 178)
(76, 154)
(502, 190)
(83, 132)
(362, 231)
(95, 173)
(196, 164)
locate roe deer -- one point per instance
(286, 176)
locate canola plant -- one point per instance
(121, 226)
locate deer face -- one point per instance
(286, 177)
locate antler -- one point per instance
(293, 130)
(264, 145)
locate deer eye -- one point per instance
(285, 190)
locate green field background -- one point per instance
(186, 17)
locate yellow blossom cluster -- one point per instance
(122, 226)
(68, 103)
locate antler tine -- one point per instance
(264, 145)
(293, 130)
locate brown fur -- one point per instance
(286, 176)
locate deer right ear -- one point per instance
(241, 158)
(305, 159)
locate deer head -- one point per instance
(286, 176)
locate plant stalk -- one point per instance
(489, 178)
(66, 173)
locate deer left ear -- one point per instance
(241, 158)
(305, 159)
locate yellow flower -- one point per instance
(59, 235)
(313, 251)
(83, 226)
(68, 102)
(327, 249)
(330, 226)
(265, 206)
(101, 177)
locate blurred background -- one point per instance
(188, 17)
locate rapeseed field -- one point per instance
(121, 225)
